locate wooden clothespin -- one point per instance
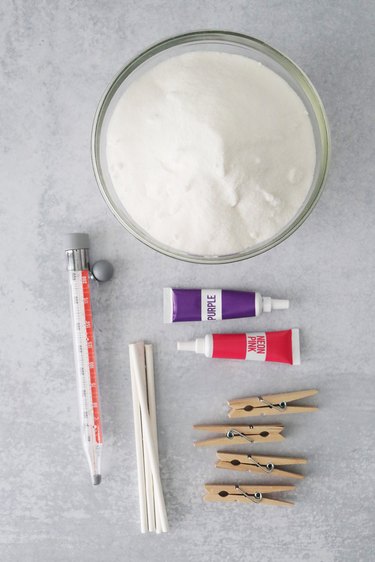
(270, 404)
(245, 494)
(238, 434)
(258, 464)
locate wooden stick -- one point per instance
(258, 470)
(246, 429)
(249, 488)
(263, 459)
(274, 398)
(139, 449)
(238, 440)
(243, 499)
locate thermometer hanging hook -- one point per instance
(101, 271)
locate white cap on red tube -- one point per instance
(274, 304)
(197, 345)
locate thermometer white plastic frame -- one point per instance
(77, 252)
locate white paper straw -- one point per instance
(152, 410)
(150, 503)
(148, 440)
(139, 449)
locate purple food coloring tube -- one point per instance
(191, 305)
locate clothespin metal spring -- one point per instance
(255, 498)
(232, 432)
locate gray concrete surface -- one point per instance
(56, 60)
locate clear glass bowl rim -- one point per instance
(225, 37)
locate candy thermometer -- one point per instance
(77, 253)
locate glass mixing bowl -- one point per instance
(228, 42)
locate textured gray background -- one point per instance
(56, 60)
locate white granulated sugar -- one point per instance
(210, 153)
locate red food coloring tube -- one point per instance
(279, 347)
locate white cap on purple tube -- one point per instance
(274, 304)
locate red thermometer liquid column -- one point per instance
(77, 252)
